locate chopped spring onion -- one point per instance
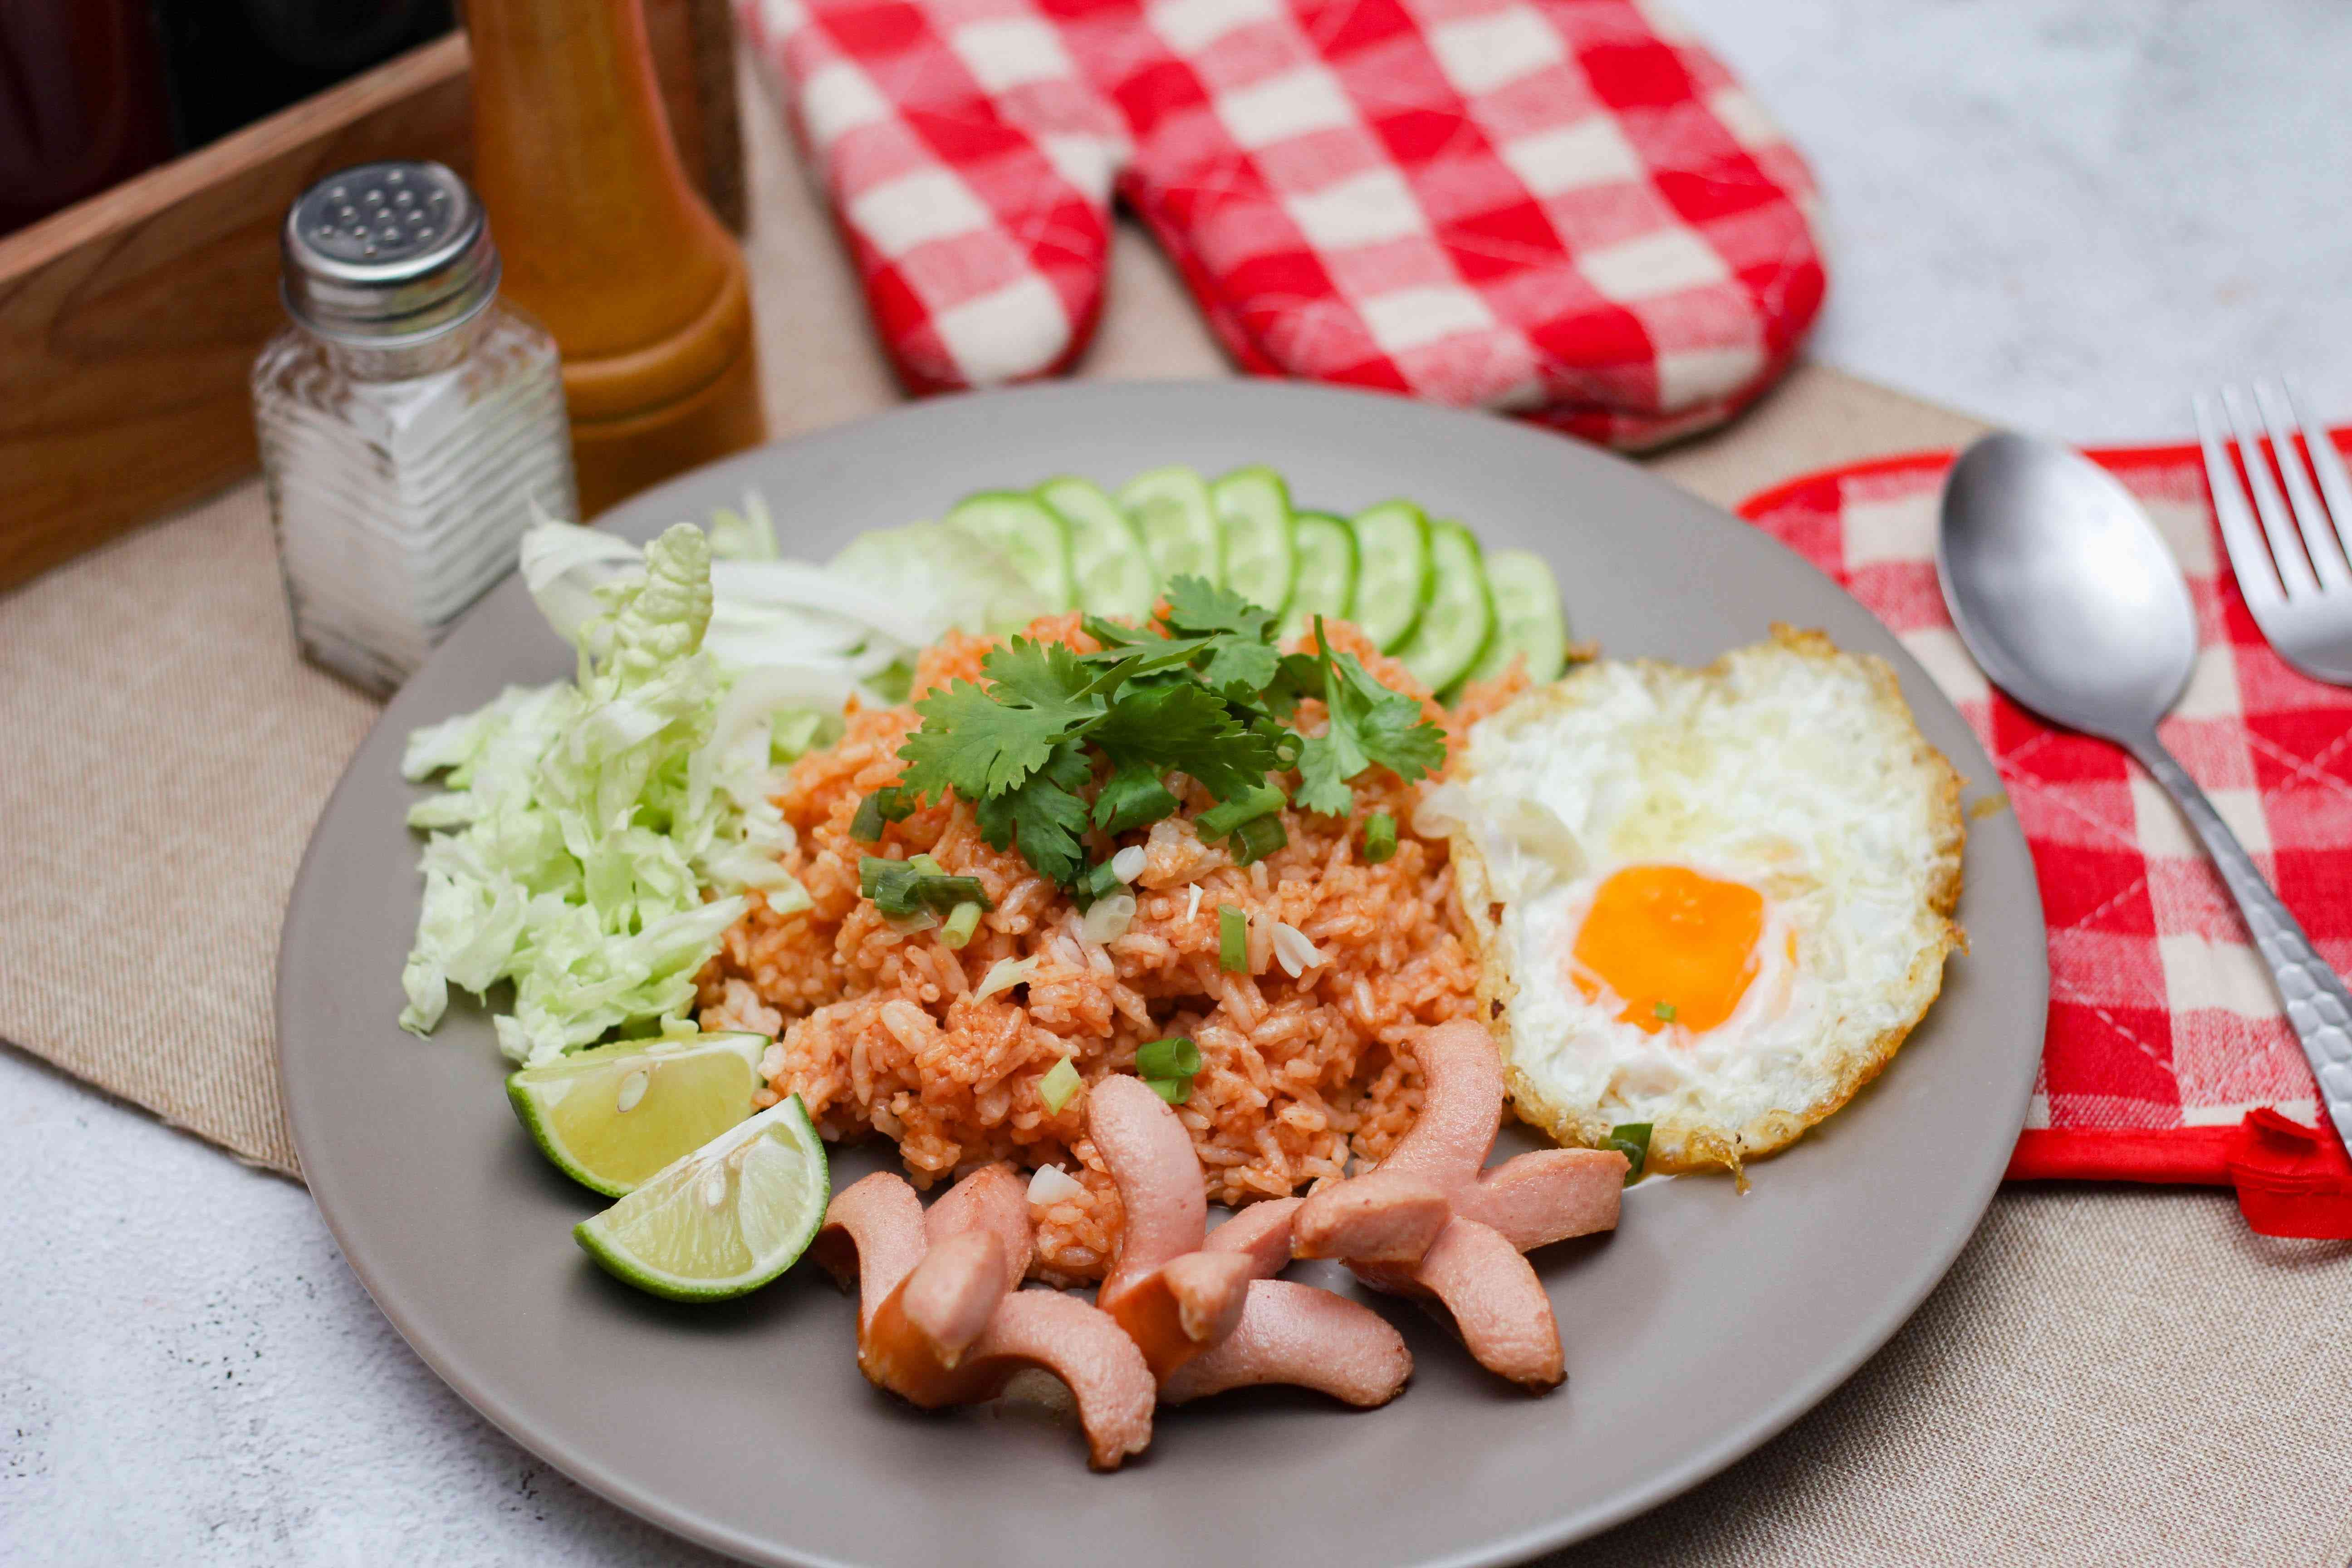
(1294, 951)
(1098, 881)
(1233, 940)
(963, 920)
(1192, 901)
(1107, 920)
(1250, 805)
(1174, 1090)
(1003, 975)
(1127, 864)
(1060, 1082)
(886, 804)
(1176, 1057)
(1052, 1184)
(1257, 838)
(1632, 1139)
(904, 888)
(1379, 837)
(1664, 1012)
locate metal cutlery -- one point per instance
(2293, 569)
(2070, 600)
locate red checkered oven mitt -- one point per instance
(2168, 1056)
(1564, 208)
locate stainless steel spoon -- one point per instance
(2071, 603)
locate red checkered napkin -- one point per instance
(2165, 1030)
(1563, 208)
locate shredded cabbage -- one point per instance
(579, 825)
(851, 628)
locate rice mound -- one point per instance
(881, 1031)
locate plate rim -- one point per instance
(1700, 1464)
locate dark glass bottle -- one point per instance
(233, 61)
(81, 102)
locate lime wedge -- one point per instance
(611, 1116)
(724, 1220)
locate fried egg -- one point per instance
(1713, 900)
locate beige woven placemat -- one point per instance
(2106, 1377)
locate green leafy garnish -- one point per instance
(1242, 658)
(1183, 724)
(1630, 1139)
(1370, 723)
(1204, 691)
(986, 741)
(1135, 795)
(1044, 812)
(900, 889)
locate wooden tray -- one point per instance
(128, 321)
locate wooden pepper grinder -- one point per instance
(607, 245)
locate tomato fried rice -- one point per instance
(943, 1050)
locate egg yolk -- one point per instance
(1677, 946)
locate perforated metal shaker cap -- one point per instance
(387, 254)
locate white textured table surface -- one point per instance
(2061, 215)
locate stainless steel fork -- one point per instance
(2299, 584)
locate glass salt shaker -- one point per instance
(409, 421)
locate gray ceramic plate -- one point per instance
(1708, 1321)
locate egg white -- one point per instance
(1788, 766)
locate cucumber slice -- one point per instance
(1172, 509)
(1254, 513)
(1393, 573)
(1108, 564)
(1326, 583)
(1459, 619)
(1032, 535)
(1528, 617)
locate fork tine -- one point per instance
(2328, 465)
(2286, 549)
(2319, 540)
(2257, 583)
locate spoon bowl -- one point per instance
(2063, 589)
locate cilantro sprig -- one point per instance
(1370, 723)
(1205, 691)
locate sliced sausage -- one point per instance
(1460, 1106)
(1080, 1345)
(1152, 1159)
(994, 1199)
(1260, 1233)
(1385, 1216)
(1296, 1334)
(873, 1234)
(1547, 1195)
(1497, 1303)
